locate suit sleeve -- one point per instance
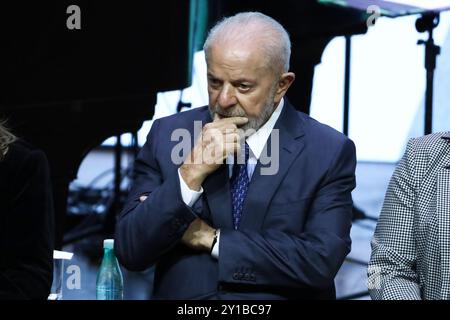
(391, 271)
(311, 259)
(145, 231)
(27, 270)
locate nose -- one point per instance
(227, 97)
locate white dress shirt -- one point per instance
(256, 143)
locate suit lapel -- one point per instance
(443, 214)
(263, 186)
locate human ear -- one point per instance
(284, 83)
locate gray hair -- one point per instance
(6, 138)
(275, 39)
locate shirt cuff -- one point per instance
(189, 196)
(215, 250)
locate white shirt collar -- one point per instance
(257, 141)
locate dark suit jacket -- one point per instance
(294, 232)
(26, 224)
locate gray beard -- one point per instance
(253, 123)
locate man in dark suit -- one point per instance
(258, 204)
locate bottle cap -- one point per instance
(108, 244)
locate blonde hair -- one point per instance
(6, 138)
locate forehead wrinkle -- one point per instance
(238, 61)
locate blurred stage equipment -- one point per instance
(429, 19)
(66, 91)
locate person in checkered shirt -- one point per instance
(411, 245)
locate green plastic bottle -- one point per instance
(109, 278)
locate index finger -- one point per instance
(239, 121)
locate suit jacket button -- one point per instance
(235, 276)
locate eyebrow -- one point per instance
(239, 80)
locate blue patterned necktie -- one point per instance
(239, 186)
